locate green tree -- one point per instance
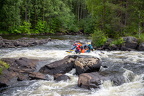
(98, 38)
(10, 14)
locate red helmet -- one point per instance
(75, 44)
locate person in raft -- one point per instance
(88, 47)
(77, 47)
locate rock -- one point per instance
(22, 42)
(87, 64)
(95, 79)
(61, 77)
(124, 48)
(1, 38)
(115, 73)
(141, 47)
(113, 47)
(8, 77)
(58, 67)
(89, 80)
(1, 43)
(28, 63)
(19, 70)
(82, 63)
(21, 63)
(130, 42)
(37, 76)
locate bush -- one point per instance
(98, 38)
(4, 32)
(87, 24)
(3, 65)
(23, 29)
(118, 41)
(141, 37)
(40, 26)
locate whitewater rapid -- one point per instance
(56, 50)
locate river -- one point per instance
(56, 50)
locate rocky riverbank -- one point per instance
(129, 44)
(25, 69)
(22, 42)
(90, 70)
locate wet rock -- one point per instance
(1, 42)
(114, 73)
(8, 77)
(19, 70)
(58, 67)
(82, 64)
(124, 48)
(22, 42)
(89, 80)
(141, 47)
(87, 64)
(131, 42)
(95, 79)
(37, 76)
(113, 47)
(21, 63)
(61, 77)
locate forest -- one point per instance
(101, 19)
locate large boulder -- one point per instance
(87, 64)
(130, 42)
(22, 63)
(116, 73)
(95, 79)
(58, 67)
(82, 64)
(141, 47)
(19, 70)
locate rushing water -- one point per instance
(131, 61)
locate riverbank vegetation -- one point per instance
(113, 18)
(3, 66)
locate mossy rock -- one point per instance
(3, 65)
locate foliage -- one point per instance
(40, 26)
(115, 18)
(3, 66)
(87, 24)
(41, 16)
(24, 29)
(140, 38)
(4, 32)
(118, 41)
(98, 38)
(9, 18)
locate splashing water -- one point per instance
(56, 50)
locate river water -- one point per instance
(131, 61)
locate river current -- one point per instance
(56, 50)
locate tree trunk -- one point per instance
(139, 26)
